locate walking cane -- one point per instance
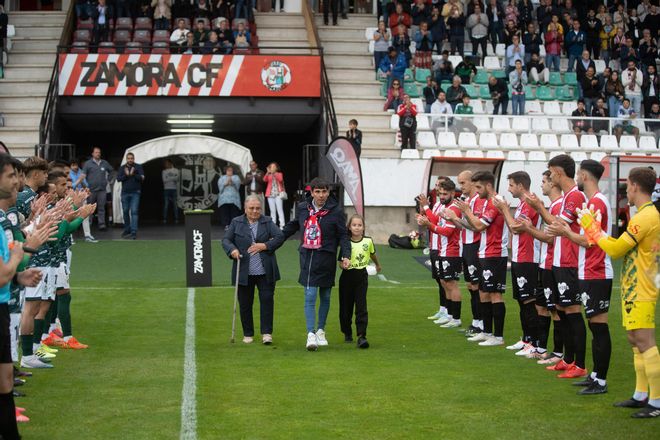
(233, 320)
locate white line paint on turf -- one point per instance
(382, 278)
(189, 393)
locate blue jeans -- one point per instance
(169, 197)
(310, 306)
(613, 105)
(571, 61)
(161, 24)
(553, 62)
(636, 104)
(130, 203)
(241, 6)
(518, 104)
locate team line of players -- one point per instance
(556, 271)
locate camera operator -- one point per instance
(500, 94)
(131, 176)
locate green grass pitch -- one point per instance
(416, 381)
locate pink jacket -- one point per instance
(279, 179)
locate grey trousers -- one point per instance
(99, 197)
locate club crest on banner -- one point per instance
(198, 188)
(276, 76)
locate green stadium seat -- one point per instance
(555, 79)
(484, 92)
(481, 77)
(444, 85)
(408, 75)
(411, 89)
(566, 93)
(570, 78)
(544, 93)
(499, 74)
(471, 91)
(380, 77)
(529, 92)
(383, 89)
(421, 74)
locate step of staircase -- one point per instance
(278, 20)
(380, 153)
(328, 33)
(355, 87)
(17, 87)
(30, 18)
(11, 135)
(24, 119)
(45, 57)
(35, 44)
(354, 20)
(27, 30)
(21, 150)
(376, 120)
(376, 137)
(28, 71)
(345, 103)
(350, 73)
(33, 102)
(291, 33)
(343, 45)
(338, 60)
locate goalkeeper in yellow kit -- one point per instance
(638, 246)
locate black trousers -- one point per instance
(476, 42)
(408, 137)
(353, 284)
(327, 4)
(227, 212)
(266, 304)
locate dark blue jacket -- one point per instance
(132, 183)
(239, 236)
(318, 266)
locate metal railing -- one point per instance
(55, 151)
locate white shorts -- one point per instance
(14, 324)
(61, 276)
(45, 290)
(68, 260)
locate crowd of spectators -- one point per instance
(538, 38)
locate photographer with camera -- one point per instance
(500, 94)
(518, 81)
(131, 177)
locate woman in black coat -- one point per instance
(251, 241)
(323, 226)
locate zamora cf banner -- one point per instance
(189, 75)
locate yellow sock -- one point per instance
(652, 368)
(641, 382)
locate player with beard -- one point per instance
(595, 275)
(548, 294)
(565, 266)
(448, 250)
(492, 258)
(524, 261)
(442, 316)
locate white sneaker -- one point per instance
(454, 323)
(320, 338)
(517, 346)
(312, 344)
(527, 349)
(436, 316)
(33, 362)
(479, 337)
(443, 319)
(91, 239)
(248, 339)
(492, 341)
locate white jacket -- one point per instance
(627, 80)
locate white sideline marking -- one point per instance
(382, 278)
(189, 393)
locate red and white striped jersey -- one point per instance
(477, 206)
(433, 215)
(547, 249)
(495, 238)
(566, 252)
(524, 247)
(594, 263)
(450, 236)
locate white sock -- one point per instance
(601, 382)
(52, 327)
(541, 350)
(640, 395)
(475, 323)
(593, 375)
(480, 324)
(66, 338)
(443, 310)
(35, 347)
(654, 403)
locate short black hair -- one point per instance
(645, 178)
(18, 165)
(54, 175)
(484, 177)
(547, 173)
(448, 185)
(353, 121)
(521, 178)
(593, 167)
(565, 162)
(34, 163)
(5, 160)
(319, 183)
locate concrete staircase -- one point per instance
(355, 91)
(27, 74)
(282, 30)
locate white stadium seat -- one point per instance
(578, 156)
(568, 107)
(394, 122)
(475, 154)
(501, 123)
(509, 141)
(628, 143)
(426, 139)
(500, 50)
(482, 123)
(600, 66)
(477, 106)
(589, 142)
(409, 153)
(419, 103)
(537, 156)
(467, 140)
(369, 33)
(455, 60)
(554, 154)
(541, 47)
(560, 125)
(422, 122)
(549, 142)
(496, 154)
(648, 144)
(427, 154)
(516, 155)
(453, 153)
(488, 140)
(598, 156)
(540, 125)
(520, 124)
(529, 141)
(640, 125)
(372, 47)
(446, 139)
(569, 142)
(551, 108)
(492, 63)
(533, 108)
(608, 142)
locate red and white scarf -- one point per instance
(312, 237)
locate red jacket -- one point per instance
(279, 179)
(406, 20)
(402, 110)
(553, 41)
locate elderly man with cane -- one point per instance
(251, 241)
